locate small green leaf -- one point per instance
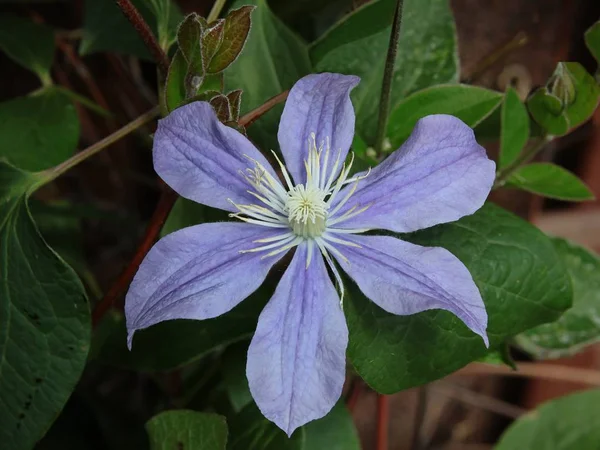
(568, 423)
(187, 430)
(515, 128)
(250, 430)
(105, 28)
(167, 17)
(186, 213)
(189, 35)
(592, 40)
(274, 58)
(28, 43)
(235, 100)
(579, 96)
(220, 104)
(175, 92)
(469, 103)
(175, 343)
(521, 280)
(427, 53)
(38, 131)
(44, 320)
(551, 181)
(546, 109)
(234, 36)
(213, 39)
(580, 325)
(335, 431)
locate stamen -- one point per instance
(267, 247)
(336, 274)
(330, 238)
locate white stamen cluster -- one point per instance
(304, 211)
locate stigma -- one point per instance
(305, 212)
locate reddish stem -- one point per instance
(355, 389)
(140, 25)
(383, 418)
(165, 204)
(248, 119)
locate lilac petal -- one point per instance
(320, 104)
(296, 360)
(403, 278)
(439, 175)
(200, 158)
(197, 273)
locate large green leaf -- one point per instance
(176, 343)
(44, 320)
(515, 128)
(28, 43)
(38, 131)
(187, 430)
(551, 181)
(569, 423)
(273, 59)
(335, 431)
(521, 279)
(580, 325)
(427, 53)
(469, 103)
(105, 28)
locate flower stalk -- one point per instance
(142, 28)
(527, 156)
(386, 86)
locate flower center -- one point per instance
(307, 210)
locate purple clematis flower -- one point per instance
(296, 360)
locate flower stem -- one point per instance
(383, 419)
(54, 172)
(248, 119)
(388, 73)
(142, 28)
(215, 11)
(525, 157)
(165, 204)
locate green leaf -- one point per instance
(175, 91)
(521, 280)
(186, 213)
(187, 430)
(515, 128)
(234, 36)
(167, 17)
(469, 103)
(213, 38)
(592, 40)
(335, 431)
(105, 28)
(580, 325)
(28, 43)
(571, 422)
(38, 131)
(574, 102)
(250, 430)
(175, 343)
(551, 181)
(44, 320)
(427, 53)
(273, 59)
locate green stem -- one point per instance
(215, 11)
(54, 172)
(386, 85)
(527, 156)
